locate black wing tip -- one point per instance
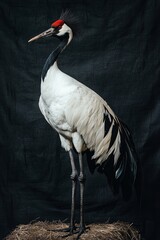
(122, 176)
(91, 163)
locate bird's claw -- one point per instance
(77, 230)
(80, 232)
(71, 231)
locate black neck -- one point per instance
(54, 55)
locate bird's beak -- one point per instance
(46, 33)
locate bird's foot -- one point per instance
(72, 230)
(69, 229)
(82, 229)
(78, 230)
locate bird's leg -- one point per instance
(74, 178)
(81, 179)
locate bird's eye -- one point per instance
(59, 27)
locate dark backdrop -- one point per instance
(117, 55)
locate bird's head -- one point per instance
(59, 28)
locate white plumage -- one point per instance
(84, 122)
(76, 113)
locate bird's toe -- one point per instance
(82, 229)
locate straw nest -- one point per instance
(47, 231)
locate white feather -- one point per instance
(76, 112)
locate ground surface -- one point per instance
(47, 231)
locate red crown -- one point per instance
(57, 23)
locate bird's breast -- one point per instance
(57, 87)
(55, 115)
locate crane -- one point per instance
(85, 124)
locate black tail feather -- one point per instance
(129, 157)
(91, 163)
(121, 177)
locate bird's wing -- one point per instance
(94, 120)
(104, 134)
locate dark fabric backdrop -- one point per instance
(118, 55)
